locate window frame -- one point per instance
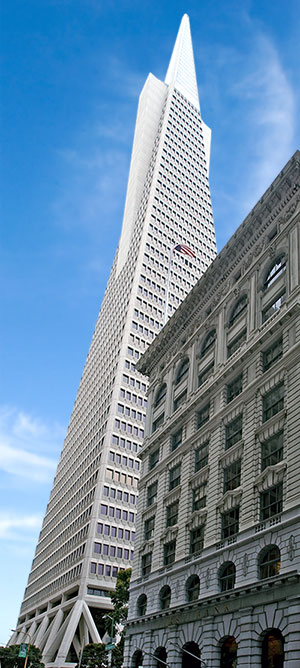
(237, 435)
(151, 494)
(234, 388)
(172, 513)
(230, 528)
(238, 309)
(277, 348)
(265, 563)
(270, 507)
(231, 475)
(146, 564)
(149, 527)
(197, 539)
(268, 411)
(183, 371)
(169, 552)
(272, 455)
(174, 481)
(208, 343)
(227, 576)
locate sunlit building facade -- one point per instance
(216, 569)
(88, 531)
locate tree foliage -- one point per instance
(94, 656)
(9, 657)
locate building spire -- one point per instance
(181, 71)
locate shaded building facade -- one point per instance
(216, 569)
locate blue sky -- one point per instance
(71, 75)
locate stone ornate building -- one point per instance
(216, 570)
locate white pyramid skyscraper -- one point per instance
(88, 529)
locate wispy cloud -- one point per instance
(270, 108)
(28, 446)
(11, 524)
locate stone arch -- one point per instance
(190, 655)
(238, 307)
(164, 597)
(137, 659)
(208, 342)
(269, 561)
(192, 588)
(272, 649)
(141, 605)
(182, 369)
(160, 655)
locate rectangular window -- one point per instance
(272, 354)
(153, 459)
(232, 476)
(201, 456)
(180, 400)
(176, 439)
(234, 388)
(196, 540)
(271, 502)
(272, 451)
(169, 552)
(273, 402)
(233, 431)
(199, 498)
(146, 563)
(236, 343)
(174, 476)
(204, 375)
(203, 416)
(273, 307)
(230, 523)
(158, 422)
(149, 528)
(152, 494)
(172, 514)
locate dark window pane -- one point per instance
(232, 476)
(273, 402)
(236, 343)
(152, 494)
(176, 439)
(146, 563)
(271, 502)
(172, 514)
(234, 388)
(238, 309)
(182, 371)
(269, 563)
(196, 540)
(169, 552)
(201, 457)
(277, 268)
(272, 451)
(227, 576)
(230, 523)
(203, 416)
(272, 354)
(205, 374)
(233, 431)
(149, 528)
(153, 459)
(174, 476)
(209, 342)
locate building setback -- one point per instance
(216, 568)
(88, 531)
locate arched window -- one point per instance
(165, 597)
(208, 342)
(192, 588)
(191, 655)
(229, 653)
(182, 371)
(238, 309)
(269, 562)
(161, 657)
(161, 395)
(141, 606)
(277, 268)
(137, 659)
(227, 576)
(272, 655)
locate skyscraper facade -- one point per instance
(167, 242)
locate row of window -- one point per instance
(114, 493)
(112, 551)
(129, 428)
(269, 562)
(125, 443)
(271, 502)
(114, 532)
(118, 513)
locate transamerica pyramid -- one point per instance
(167, 242)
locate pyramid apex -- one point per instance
(181, 71)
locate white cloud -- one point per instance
(11, 525)
(270, 109)
(29, 447)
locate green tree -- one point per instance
(9, 657)
(94, 656)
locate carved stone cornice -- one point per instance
(271, 476)
(230, 500)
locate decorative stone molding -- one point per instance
(271, 476)
(245, 565)
(200, 478)
(169, 534)
(198, 519)
(232, 454)
(172, 496)
(230, 500)
(292, 547)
